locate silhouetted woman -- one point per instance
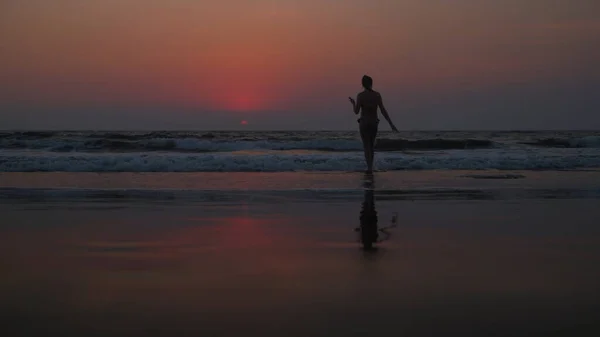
(367, 103)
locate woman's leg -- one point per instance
(373, 136)
(364, 135)
(369, 153)
(368, 132)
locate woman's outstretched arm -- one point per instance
(384, 112)
(355, 105)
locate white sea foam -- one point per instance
(281, 161)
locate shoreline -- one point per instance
(58, 189)
(290, 180)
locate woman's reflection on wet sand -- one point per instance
(369, 230)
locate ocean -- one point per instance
(222, 233)
(294, 151)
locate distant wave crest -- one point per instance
(90, 141)
(195, 144)
(576, 142)
(276, 162)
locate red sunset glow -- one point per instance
(298, 59)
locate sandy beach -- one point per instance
(268, 255)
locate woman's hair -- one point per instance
(367, 82)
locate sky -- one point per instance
(291, 64)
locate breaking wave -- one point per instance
(203, 145)
(577, 142)
(169, 141)
(282, 161)
(274, 151)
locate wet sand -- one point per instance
(292, 265)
